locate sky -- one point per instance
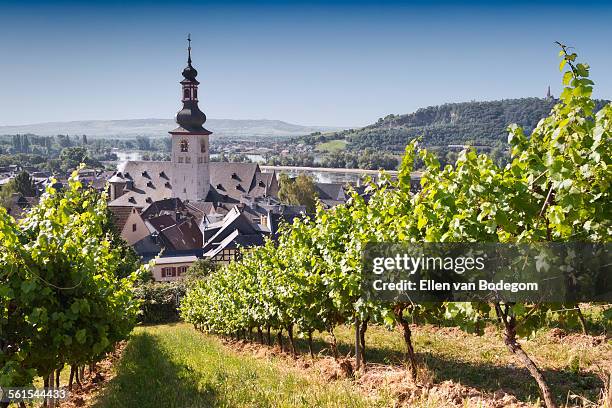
(332, 63)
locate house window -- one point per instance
(180, 159)
(181, 270)
(195, 93)
(133, 227)
(203, 147)
(168, 272)
(187, 159)
(184, 146)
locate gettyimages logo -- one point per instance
(484, 272)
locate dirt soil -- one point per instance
(92, 385)
(377, 377)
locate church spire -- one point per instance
(548, 94)
(190, 118)
(189, 49)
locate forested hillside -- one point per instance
(476, 123)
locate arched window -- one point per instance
(184, 146)
(203, 147)
(186, 93)
(195, 93)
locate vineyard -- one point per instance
(69, 296)
(66, 288)
(555, 189)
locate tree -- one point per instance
(25, 185)
(6, 193)
(298, 191)
(144, 143)
(72, 157)
(200, 270)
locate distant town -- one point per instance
(182, 198)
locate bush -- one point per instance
(159, 301)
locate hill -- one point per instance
(130, 128)
(476, 123)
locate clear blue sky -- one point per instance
(320, 63)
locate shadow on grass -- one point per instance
(485, 377)
(147, 377)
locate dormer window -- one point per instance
(184, 146)
(150, 184)
(168, 185)
(235, 176)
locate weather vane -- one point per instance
(189, 48)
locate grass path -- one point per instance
(175, 366)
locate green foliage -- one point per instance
(6, 193)
(332, 145)
(159, 301)
(298, 191)
(200, 269)
(61, 300)
(556, 187)
(25, 185)
(475, 123)
(71, 157)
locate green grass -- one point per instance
(332, 146)
(176, 366)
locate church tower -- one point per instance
(190, 149)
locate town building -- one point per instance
(189, 208)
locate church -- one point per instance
(190, 175)
(189, 207)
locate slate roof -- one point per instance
(232, 179)
(165, 206)
(162, 221)
(234, 240)
(149, 181)
(330, 191)
(331, 194)
(234, 220)
(183, 235)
